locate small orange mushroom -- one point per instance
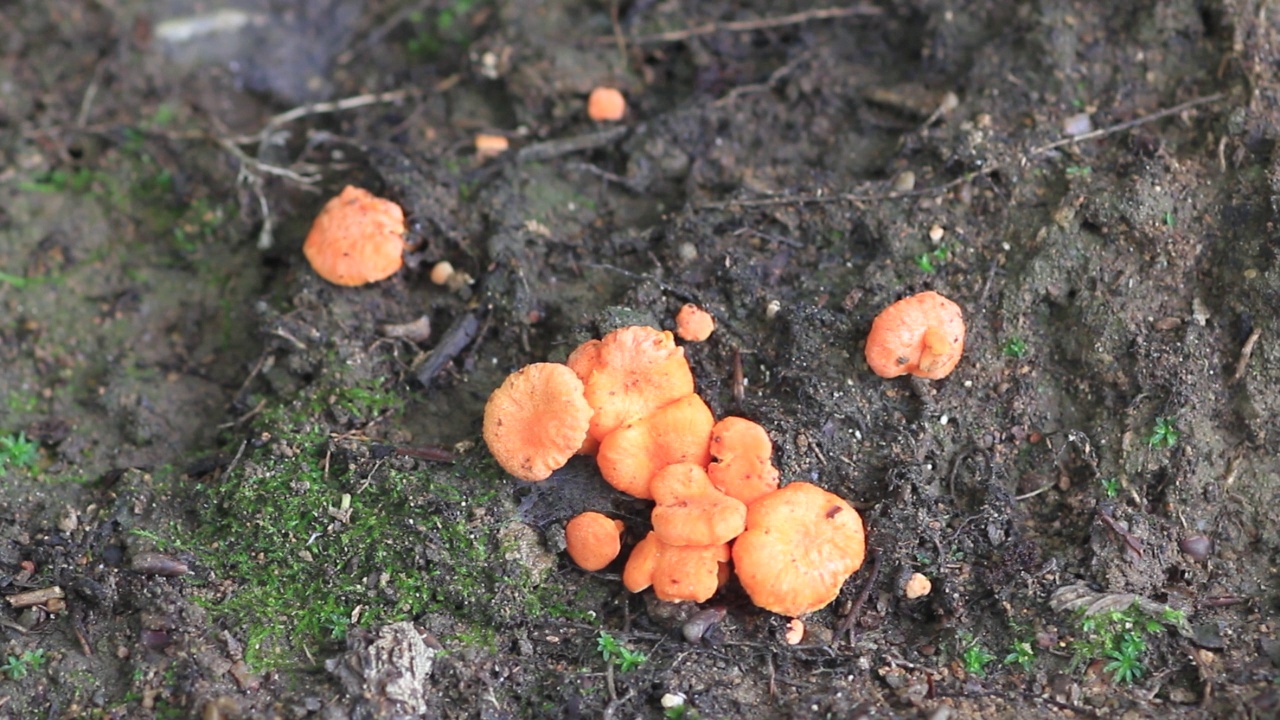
(357, 238)
(693, 324)
(691, 511)
(742, 467)
(922, 334)
(606, 104)
(630, 373)
(536, 420)
(593, 540)
(800, 545)
(676, 573)
(630, 456)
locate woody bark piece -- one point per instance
(35, 597)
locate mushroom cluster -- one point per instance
(628, 399)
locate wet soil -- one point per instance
(232, 490)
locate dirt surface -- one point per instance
(233, 490)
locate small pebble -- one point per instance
(937, 232)
(1077, 125)
(441, 272)
(904, 181)
(1197, 547)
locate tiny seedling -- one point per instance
(17, 667)
(620, 655)
(1110, 487)
(1022, 655)
(929, 261)
(1170, 219)
(1126, 659)
(1165, 435)
(975, 658)
(1078, 170)
(1015, 347)
(17, 450)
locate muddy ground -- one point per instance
(228, 482)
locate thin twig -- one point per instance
(988, 168)
(348, 103)
(750, 25)
(1246, 352)
(846, 623)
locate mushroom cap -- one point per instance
(630, 456)
(676, 573)
(800, 545)
(693, 324)
(741, 466)
(536, 420)
(630, 373)
(593, 540)
(606, 104)
(357, 238)
(922, 334)
(691, 511)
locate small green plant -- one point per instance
(1078, 170)
(1015, 347)
(1126, 660)
(1022, 655)
(1165, 435)
(1170, 219)
(929, 261)
(1119, 637)
(17, 450)
(620, 655)
(974, 657)
(1110, 486)
(17, 667)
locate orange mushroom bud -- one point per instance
(922, 335)
(693, 324)
(800, 545)
(357, 238)
(691, 511)
(676, 573)
(536, 420)
(630, 456)
(630, 373)
(593, 540)
(742, 468)
(606, 104)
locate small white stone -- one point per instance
(672, 700)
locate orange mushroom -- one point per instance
(691, 511)
(922, 335)
(800, 545)
(536, 420)
(630, 456)
(628, 374)
(676, 573)
(693, 324)
(357, 238)
(606, 104)
(742, 468)
(593, 540)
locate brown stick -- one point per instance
(36, 597)
(749, 25)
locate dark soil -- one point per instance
(231, 486)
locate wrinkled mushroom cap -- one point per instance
(691, 511)
(676, 573)
(741, 466)
(593, 540)
(800, 546)
(630, 373)
(693, 324)
(922, 335)
(536, 420)
(357, 238)
(630, 456)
